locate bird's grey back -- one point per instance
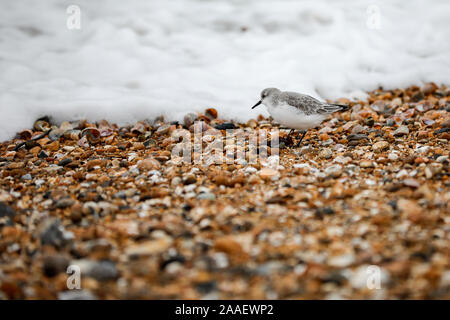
(307, 104)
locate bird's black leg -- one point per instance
(301, 139)
(287, 140)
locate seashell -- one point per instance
(92, 135)
(41, 125)
(72, 134)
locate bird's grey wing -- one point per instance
(304, 103)
(309, 105)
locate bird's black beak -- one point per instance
(259, 102)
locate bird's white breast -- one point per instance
(293, 118)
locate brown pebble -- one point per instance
(149, 164)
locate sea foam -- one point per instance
(136, 59)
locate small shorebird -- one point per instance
(295, 110)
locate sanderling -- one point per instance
(295, 110)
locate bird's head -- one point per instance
(266, 94)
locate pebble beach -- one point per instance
(370, 188)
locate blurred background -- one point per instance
(131, 60)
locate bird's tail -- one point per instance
(339, 107)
